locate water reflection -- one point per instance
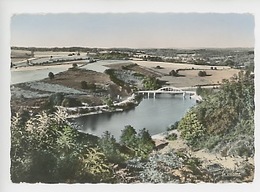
(153, 114)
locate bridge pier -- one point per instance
(154, 94)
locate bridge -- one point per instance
(169, 90)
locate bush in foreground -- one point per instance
(46, 149)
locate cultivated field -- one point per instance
(189, 77)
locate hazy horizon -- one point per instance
(134, 30)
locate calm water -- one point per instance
(153, 114)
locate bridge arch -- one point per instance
(170, 89)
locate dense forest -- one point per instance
(47, 148)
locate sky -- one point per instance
(133, 30)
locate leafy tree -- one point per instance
(128, 136)
(109, 102)
(145, 143)
(191, 129)
(51, 75)
(202, 73)
(110, 148)
(141, 143)
(95, 166)
(151, 83)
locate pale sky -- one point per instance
(134, 30)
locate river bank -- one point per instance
(81, 111)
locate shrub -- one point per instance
(172, 137)
(202, 73)
(151, 83)
(173, 73)
(158, 67)
(141, 143)
(47, 149)
(199, 90)
(191, 129)
(110, 148)
(84, 84)
(51, 75)
(70, 102)
(56, 99)
(173, 127)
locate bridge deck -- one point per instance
(169, 90)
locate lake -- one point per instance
(153, 114)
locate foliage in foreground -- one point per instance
(46, 149)
(224, 121)
(178, 167)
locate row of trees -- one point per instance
(130, 145)
(175, 73)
